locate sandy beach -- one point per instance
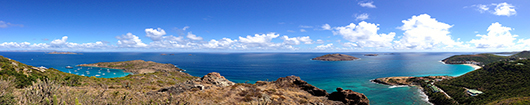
(474, 66)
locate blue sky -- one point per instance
(263, 26)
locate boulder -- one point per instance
(216, 79)
(349, 97)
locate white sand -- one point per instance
(474, 66)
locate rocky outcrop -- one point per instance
(295, 81)
(136, 66)
(208, 81)
(349, 97)
(393, 81)
(335, 57)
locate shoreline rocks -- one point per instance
(335, 57)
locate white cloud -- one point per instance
(482, 8)
(59, 42)
(7, 24)
(296, 40)
(367, 4)
(257, 40)
(349, 44)
(173, 38)
(96, 45)
(185, 27)
(365, 35)
(303, 26)
(3, 24)
(326, 27)
(130, 40)
(324, 46)
(15, 45)
(290, 31)
(319, 41)
(501, 9)
(498, 37)
(424, 32)
(303, 30)
(155, 34)
(224, 43)
(193, 36)
(504, 9)
(363, 16)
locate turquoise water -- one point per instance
(251, 67)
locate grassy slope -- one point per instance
(498, 81)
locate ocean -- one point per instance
(252, 67)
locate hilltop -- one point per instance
(485, 58)
(25, 84)
(335, 57)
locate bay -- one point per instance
(252, 67)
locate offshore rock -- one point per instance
(349, 97)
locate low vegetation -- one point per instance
(499, 81)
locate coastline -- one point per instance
(474, 66)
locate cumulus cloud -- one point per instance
(504, 9)
(96, 45)
(498, 37)
(324, 46)
(367, 4)
(193, 36)
(500, 9)
(326, 27)
(155, 34)
(424, 32)
(59, 42)
(365, 35)
(296, 40)
(225, 43)
(130, 40)
(263, 40)
(363, 16)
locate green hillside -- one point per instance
(499, 81)
(523, 54)
(483, 58)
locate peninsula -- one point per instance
(136, 66)
(335, 57)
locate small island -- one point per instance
(335, 57)
(136, 66)
(371, 54)
(55, 52)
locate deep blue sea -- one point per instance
(251, 67)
